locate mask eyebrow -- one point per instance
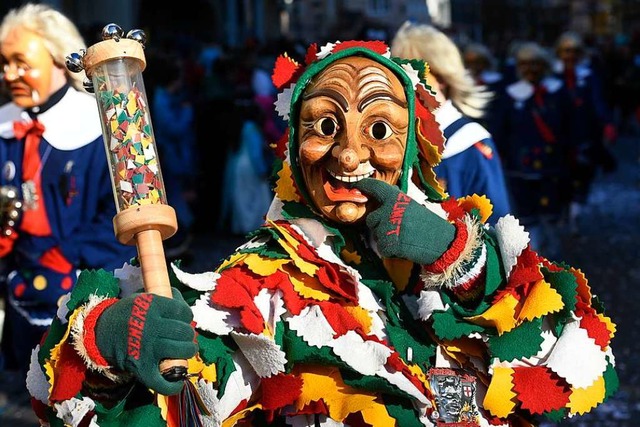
(329, 93)
(380, 96)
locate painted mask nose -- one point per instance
(349, 160)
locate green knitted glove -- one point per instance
(139, 331)
(402, 227)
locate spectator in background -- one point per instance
(592, 127)
(532, 135)
(52, 154)
(470, 163)
(246, 193)
(174, 130)
(483, 67)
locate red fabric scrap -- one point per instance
(377, 46)
(280, 390)
(284, 71)
(540, 389)
(597, 330)
(68, 385)
(236, 289)
(339, 319)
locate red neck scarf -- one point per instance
(34, 220)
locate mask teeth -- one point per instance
(351, 178)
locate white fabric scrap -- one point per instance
(240, 386)
(207, 318)
(130, 279)
(326, 50)
(263, 354)
(37, 383)
(63, 310)
(73, 410)
(200, 282)
(312, 326)
(271, 306)
(283, 102)
(512, 239)
(576, 357)
(429, 301)
(366, 357)
(412, 73)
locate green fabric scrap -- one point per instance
(298, 351)
(218, 350)
(522, 341)
(402, 339)
(372, 384)
(557, 415)
(449, 327)
(403, 412)
(93, 282)
(611, 381)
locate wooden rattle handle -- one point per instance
(156, 279)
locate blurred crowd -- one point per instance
(214, 120)
(594, 98)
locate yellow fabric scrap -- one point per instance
(285, 189)
(500, 315)
(325, 383)
(500, 399)
(582, 400)
(232, 260)
(611, 327)
(377, 415)
(399, 270)
(482, 203)
(350, 256)
(361, 315)
(233, 419)
(290, 245)
(542, 300)
(307, 286)
(263, 266)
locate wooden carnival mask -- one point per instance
(29, 70)
(353, 125)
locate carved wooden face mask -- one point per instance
(27, 67)
(353, 125)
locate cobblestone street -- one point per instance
(606, 251)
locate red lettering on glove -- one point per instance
(397, 213)
(136, 324)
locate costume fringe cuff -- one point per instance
(83, 335)
(463, 273)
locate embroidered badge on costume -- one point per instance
(455, 395)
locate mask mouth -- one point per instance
(339, 187)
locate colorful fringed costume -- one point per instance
(306, 324)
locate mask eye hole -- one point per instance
(326, 126)
(379, 131)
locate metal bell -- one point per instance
(88, 85)
(137, 35)
(112, 31)
(74, 62)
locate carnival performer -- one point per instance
(532, 135)
(53, 161)
(366, 298)
(470, 163)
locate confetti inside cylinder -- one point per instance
(115, 67)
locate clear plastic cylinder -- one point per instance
(128, 134)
